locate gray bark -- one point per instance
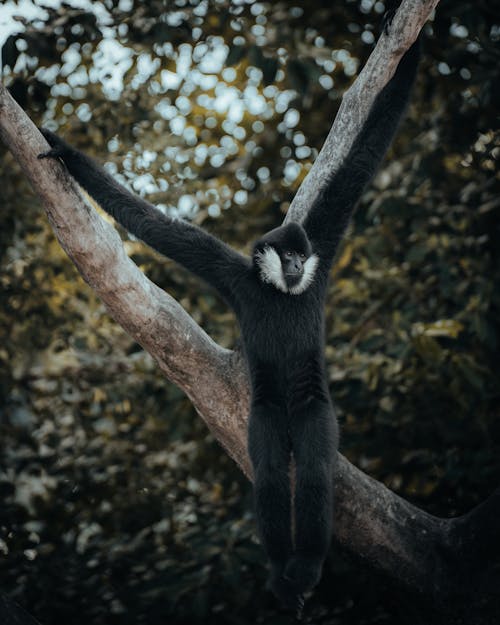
(429, 558)
(358, 99)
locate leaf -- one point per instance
(472, 372)
(269, 69)
(10, 51)
(344, 260)
(429, 349)
(255, 56)
(236, 53)
(443, 327)
(417, 253)
(298, 75)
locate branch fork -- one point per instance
(426, 556)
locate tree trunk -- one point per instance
(449, 567)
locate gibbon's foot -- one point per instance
(286, 594)
(303, 573)
(299, 612)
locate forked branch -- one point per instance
(427, 556)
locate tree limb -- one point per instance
(411, 547)
(184, 352)
(358, 99)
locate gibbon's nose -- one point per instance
(294, 266)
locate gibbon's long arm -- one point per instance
(330, 213)
(190, 246)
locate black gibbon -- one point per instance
(278, 296)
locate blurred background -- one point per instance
(116, 505)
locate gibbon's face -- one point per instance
(284, 259)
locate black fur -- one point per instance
(283, 336)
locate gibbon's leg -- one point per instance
(269, 449)
(313, 433)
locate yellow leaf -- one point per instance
(344, 260)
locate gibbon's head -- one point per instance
(284, 258)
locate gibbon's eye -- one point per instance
(302, 256)
(288, 254)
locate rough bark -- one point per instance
(359, 98)
(429, 558)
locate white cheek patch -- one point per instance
(270, 267)
(310, 267)
(271, 271)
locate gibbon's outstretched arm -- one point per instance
(329, 215)
(190, 246)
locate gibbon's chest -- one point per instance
(275, 324)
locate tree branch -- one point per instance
(413, 548)
(357, 101)
(184, 352)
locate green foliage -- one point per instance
(112, 492)
(425, 350)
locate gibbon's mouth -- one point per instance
(293, 279)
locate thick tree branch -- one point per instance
(422, 553)
(184, 352)
(357, 101)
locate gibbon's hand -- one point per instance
(59, 147)
(391, 8)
